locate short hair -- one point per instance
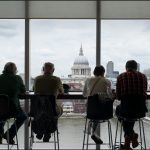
(131, 65)
(99, 70)
(48, 64)
(10, 67)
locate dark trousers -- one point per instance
(128, 127)
(126, 123)
(20, 118)
(131, 107)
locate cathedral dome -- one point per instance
(81, 60)
(80, 68)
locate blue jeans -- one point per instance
(20, 118)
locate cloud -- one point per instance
(8, 28)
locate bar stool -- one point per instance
(44, 103)
(5, 117)
(101, 113)
(142, 142)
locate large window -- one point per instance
(12, 50)
(59, 42)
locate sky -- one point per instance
(59, 42)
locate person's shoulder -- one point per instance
(39, 77)
(55, 78)
(142, 74)
(90, 78)
(107, 80)
(17, 77)
(122, 74)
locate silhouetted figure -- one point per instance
(12, 85)
(95, 85)
(131, 90)
(48, 84)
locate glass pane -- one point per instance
(70, 45)
(62, 42)
(12, 50)
(124, 40)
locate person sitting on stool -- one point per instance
(48, 84)
(12, 85)
(94, 85)
(131, 90)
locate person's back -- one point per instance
(131, 83)
(47, 84)
(102, 85)
(131, 90)
(12, 85)
(97, 84)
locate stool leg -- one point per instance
(143, 133)
(116, 135)
(84, 134)
(57, 139)
(140, 133)
(16, 136)
(110, 135)
(8, 133)
(54, 141)
(31, 138)
(121, 133)
(87, 143)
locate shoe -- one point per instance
(39, 136)
(46, 137)
(134, 140)
(126, 145)
(1, 139)
(11, 141)
(96, 139)
(123, 147)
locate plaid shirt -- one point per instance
(131, 83)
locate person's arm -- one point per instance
(85, 89)
(145, 85)
(60, 88)
(109, 90)
(22, 89)
(118, 89)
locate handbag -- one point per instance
(99, 107)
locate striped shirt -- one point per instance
(131, 83)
